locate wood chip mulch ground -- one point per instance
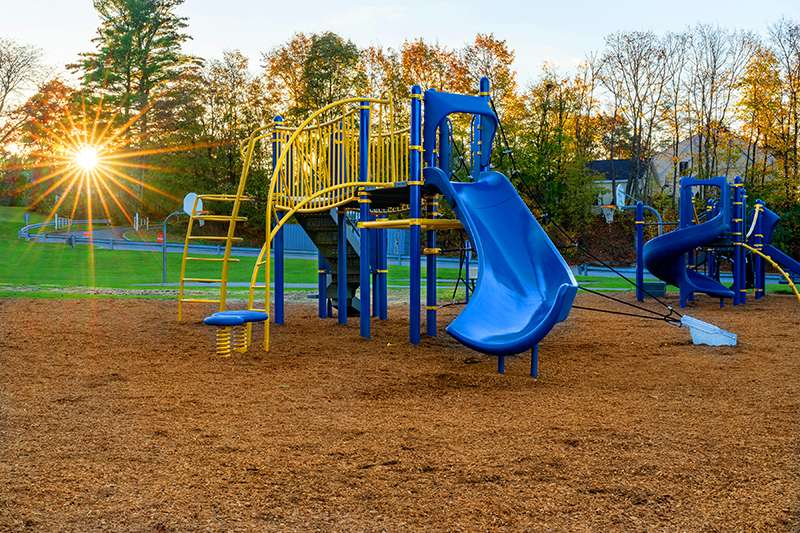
(113, 416)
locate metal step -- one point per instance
(322, 228)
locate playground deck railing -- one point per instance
(319, 165)
(329, 160)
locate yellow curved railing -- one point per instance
(774, 265)
(317, 168)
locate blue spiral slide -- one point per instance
(665, 255)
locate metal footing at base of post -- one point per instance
(535, 362)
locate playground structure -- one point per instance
(348, 173)
(690, 257)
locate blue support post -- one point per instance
(743, 226)
(640, 251)
(467, 255)
(535, 361)
(476, 143)
(430, 289)
(501, 364)
(738, 251)
(712, 266)
(363, 201)
(383, 271)
(278, 242)
(474, 146)
(415, 199)
(684, 220)
(341, 266)
(279, 273)
(322, 286)
(759, 268)
(485, 93)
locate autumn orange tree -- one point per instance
(730, 93)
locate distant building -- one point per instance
(610, 173)
(736, 157)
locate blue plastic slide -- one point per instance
(524, 286)
(665, 256)
(788, 263)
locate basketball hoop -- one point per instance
(608, 212)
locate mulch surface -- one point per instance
(114, 416)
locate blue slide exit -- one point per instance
(524, 286)
(665, 256)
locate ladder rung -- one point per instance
(220, 218)
(213, 259)
(257, 286)
(212, 238)
(199, 301)
(203, 280)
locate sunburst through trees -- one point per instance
(88, 159)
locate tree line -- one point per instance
(733, 93)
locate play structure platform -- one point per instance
(723, 232)
(352, 170)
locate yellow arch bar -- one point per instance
(308, 186)
(775, 266)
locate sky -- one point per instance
(560, 32)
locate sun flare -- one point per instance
(87, 158)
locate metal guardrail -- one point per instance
(25, 231)
(297, 242)
(72, 238)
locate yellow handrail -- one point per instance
(775, 266)
(317, 169)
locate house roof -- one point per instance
(617, 169)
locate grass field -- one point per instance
(42, 270)
(57, 265)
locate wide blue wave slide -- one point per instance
(524, 286)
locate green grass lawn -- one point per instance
(58, 265)
(47, 269)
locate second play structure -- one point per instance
(359, 166)
(722, 230)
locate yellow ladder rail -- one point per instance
(229, 238)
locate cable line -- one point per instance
(516, 173)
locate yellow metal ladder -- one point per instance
(229, 238)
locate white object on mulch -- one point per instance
(705, 333)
